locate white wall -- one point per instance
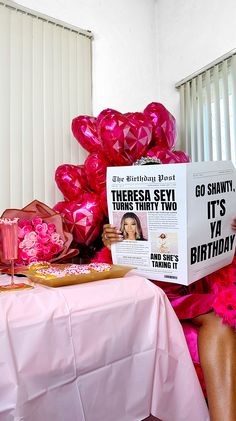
(142, 48)
(191, 34)
(124, 47)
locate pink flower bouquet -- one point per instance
(42, 234)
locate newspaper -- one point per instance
(175, 219)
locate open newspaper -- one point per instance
(175, 219)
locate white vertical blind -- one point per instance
(233, 84)
(208, 111)
(216, 93)
(45, 81)
(225, 97)
(193, 118)
(200, 135)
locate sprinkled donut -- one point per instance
(50, 271)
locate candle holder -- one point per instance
(9, 244)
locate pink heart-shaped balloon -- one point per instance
(71, 181)
(84, 129)
(168, 157)
(105, 113)
(103, 202)
(164, 126)
(60, 206)
(95, 167)
(125, 138)
(84, 219)
(182, 156)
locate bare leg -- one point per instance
(217, 351)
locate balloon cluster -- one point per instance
(112, 139)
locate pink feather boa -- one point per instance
(223, 285)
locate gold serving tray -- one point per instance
(116, 271)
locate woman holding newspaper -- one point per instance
(207, 310)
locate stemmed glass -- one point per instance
(9, 234)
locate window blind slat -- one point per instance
(73, 101)
(188, 119)
(200, 136)
(84, 94)
(227, 149)
(65, 98)
(233, 78)
(57, 96)
(38, 112)
(194, 121)
(49, 152)
(208, 153)
(26, 113)
(15, 108)
(217, 119)
(183, 119)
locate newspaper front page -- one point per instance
(175, 219)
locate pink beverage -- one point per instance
(9, 231)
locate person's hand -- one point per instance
(234, 224)
(111, 235)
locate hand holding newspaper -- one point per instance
(175, 219)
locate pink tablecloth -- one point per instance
(106, 351)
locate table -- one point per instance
(110, 350)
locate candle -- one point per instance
(9, 229)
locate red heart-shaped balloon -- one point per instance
(95, 167)
(103, 202)
(182, 156)
(84, 129)
(164, 126)
(105, 113)
(83, 219)
(168, 157)
(125, 137)
(71, 180)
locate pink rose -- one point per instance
(29, 243)
(49, 256)
(51, 228)
(39, 228)
(37, 221)
(33, 259)
(32, 252)
(55, 237)
(27, 229)
(22, 244)
(46, 249)
(43, 239)
(60, 243)
(21, 233)
(23, 255)
(55, 248)
(24, 222)
(31, 236)
(45, 227)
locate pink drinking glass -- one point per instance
(9, 231)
